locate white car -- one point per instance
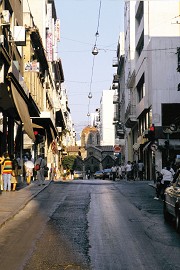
(172, 203)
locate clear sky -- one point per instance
(79, 23)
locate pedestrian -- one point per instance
(119, 172)
(135, 170)
(167, 177)
(29, 166)
(114, 172)
(52, 172)
(6, 172)
(128, 168)
(123, 171)
(40, 172)
(14, 175)
(72, 174)
(140, 170)
(1, 178)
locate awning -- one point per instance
(23, 112)
(146, 146)
(48, 126)
(37, 126)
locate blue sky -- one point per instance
(79, 22)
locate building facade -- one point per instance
(106, 128)
(151, 78)
(34, 109)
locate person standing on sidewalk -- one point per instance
(14, 174)
(7, 172)
(29, 166)
(40, 172)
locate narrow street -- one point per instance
(91, 224)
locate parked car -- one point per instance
(78, 175)
(172, 203)
(98, 175)
(107, 173)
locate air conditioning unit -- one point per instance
(5, 17)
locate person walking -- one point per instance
(40, 173)
(14, 174)
(7, 172)
(140, 170)
(119, 172)
(29, 166)
(114, 172)
(167, 177)
(123, 171)
(135, 170)
(128, 170)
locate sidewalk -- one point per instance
(14, 201)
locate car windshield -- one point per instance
(107, 170)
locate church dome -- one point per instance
(89, 129)
(90, 136)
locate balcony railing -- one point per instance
(115, 78)
(115, 86)
(115, 99)
(115, 62)
(130, 116)
(116, 116)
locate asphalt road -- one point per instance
(91, 224)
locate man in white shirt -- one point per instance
(128, 170)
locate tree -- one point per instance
(68, 162)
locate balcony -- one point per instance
(115, 86)
(115, 62)
(115, 99)
(130, 116)
(120, 133)
(116, 117)
(115, 78)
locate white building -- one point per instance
(151, 79)
(107, 133)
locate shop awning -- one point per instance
(23, 112)
(48, 126)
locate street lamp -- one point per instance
(95, 50)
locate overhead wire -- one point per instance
(94, 52)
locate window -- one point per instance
(141, 88)
(140, 44)
(178, 53)
(140, 12)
